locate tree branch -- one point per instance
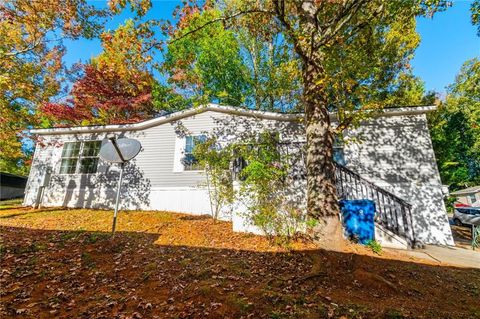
(280, 14)
(21, 51)
(344, 124)
(221, 19)
(348, 12)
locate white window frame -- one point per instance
(78, 158)
(180, 144)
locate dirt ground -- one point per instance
(63, 263)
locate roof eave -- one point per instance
(210, 107)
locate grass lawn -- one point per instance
(63, 263)
(10, 203)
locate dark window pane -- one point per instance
(199, 139)
(68, 166)
(71, 149)
(88, 165)
(189, 161)
(91, 148)
(189, 144)
(338, 155)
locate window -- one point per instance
(89, 158)
(70, 154)
(338, 153)
(238, 166)
(189, 161)
(80, 157)
(473, 198)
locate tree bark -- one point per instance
(322, 202)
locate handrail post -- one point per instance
(385, 202)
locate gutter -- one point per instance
(294, 117)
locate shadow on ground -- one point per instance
(49, 273)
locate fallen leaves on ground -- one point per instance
(63, 263)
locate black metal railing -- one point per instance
(392, 212)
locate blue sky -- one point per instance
(448, 40)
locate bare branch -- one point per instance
(221, 19)
(280, 14)
(346, 15)
(21, 51)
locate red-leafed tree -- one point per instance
(115, 87)
(102, 96)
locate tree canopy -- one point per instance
(455, 129)
(31, 65)
(239, 65)
(116, 86)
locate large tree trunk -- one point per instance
(322, 203)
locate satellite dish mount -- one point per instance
(119, 151)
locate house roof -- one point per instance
(291, 117)
(469, 190)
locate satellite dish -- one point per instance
(119, 151)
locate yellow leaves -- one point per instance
(402, 35)
(321, 82)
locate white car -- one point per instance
(466, 216)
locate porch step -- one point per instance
(388, 239)
(393, 215)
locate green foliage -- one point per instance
(476, 237)
(363, 65)
(164, 98)
(264, 182)
(375, 246)
(11, 203)
(455, 129)
(92, 238)
(243, 64)
(408, 90)
(261, 183)
(311, 223)
(206, 66)
(475, 9)
(393, 314)
(87, 260)
(216, 162)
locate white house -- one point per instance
(389, 159)
(468, 196)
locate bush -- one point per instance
(262, 184)
(375, 246)
(216, 162)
